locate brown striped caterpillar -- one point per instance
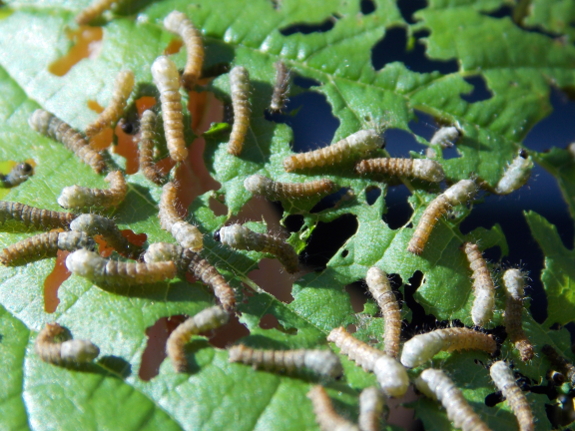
(445, 136)
(560, 363)
(459, 193)
(55, 346)
(436, 385)
(146, 148)
(514, 283)
(428, 170)
(325, 415)
(93, 11)
(380, 289)
(51, 126)
(484, 289)
(274, 190)
(242, 238)
(35, 217)
(281, 87)
(505, 381)
(43, 246)
(83, 197)
(516, 175)
(167, 79)
(371, 405)
(322, 362)
(178, 23)
(423, 347)
(186, 260)
(186, 234)
(205, 320)
(354, 146)
(240, 90)
(390, 374)
(104, 272)
(19, 173)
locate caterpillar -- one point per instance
(19, 173)
(371, 405)
(514, 283)
(274, 190)
(186, 260)
(459, 193)
(93, 11)
(428, 170)
(560, 363)
(505, 381)
(445, 136)
(34, 217)
(325, 415)
(390, 374)
(356, 145)
(484, 303)
(178, 23)
(423, 347)
(516, 175)
(51, 126)
(55, 346)
(208, 319)
(242, 238)
(167, 79)
(281, 87)
(436, 385)
(44, 245)
(380, 288)
(83, 197)
(240, 90)
(186, 234)
(146, 148)
(322, 362)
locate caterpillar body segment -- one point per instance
(325, 415)
(516, 175)
(371, 405)
(34, 217)
(240, 91)
(514, 283)
(274, 190)
(93, 11)
(483, 286)
(53, 345)
(19, 173)
(281, 87)
(424, 169)
(83, 197)
(186, 234)
(560, 363)
(445, 136)
(146, 148)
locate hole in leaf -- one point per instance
(408, 7)
(174, 47)
(398, 211)
(217, 207)
(367, 6)
(372, 193)
(294, 222)
(400, 142)
(54, 280)
(423, 125)
(357, 295)
(305, 28)
(127, 147)
(480, 90)
(305, 82)
(330, 201)
(228, 334)
(87, 43)
(273, 278)
(133, 238)
(269, 321)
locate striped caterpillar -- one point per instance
(55, 346)
(505, 381)
(242, 238)
(43, 246)
(436, 385)
(51, 126)
(322, 362)
(371, 405)
(186, 260)
(390, 374)
(560, 363)
(93, 11)
(514, 283)
(428, 170)
(356, 145)
(146, 148)
(208, 319)
(186, 234)
(445, 136)
(281, 87)
(484, 289)
(459, 193)
(274, 190)
(240, 90)
(167, 79)
(35, 217)
(19, 173)
(178, 23)
(325, 415)
(83, 197)
(380, 289)
(423, 347)
(122, 89)
(516, 174)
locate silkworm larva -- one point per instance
(146, 148)
(93, 11)
(459, 193)
(186, 260)
(186, 234)
(423, 347)
(371, 404)
(242, 238)
(167, 79)
(178, 23)
(322, 362)
(325, 415)
(428, 170)
(51, 126)
(35, 217)
(436, 385)
(505, 381)
(19, 173)
(208, 319)
(53, 345)
(83, 197)
(281, 87)
(274, 190)
(380, 289)
(390, 374)
(514, 283)
(43, 246)
(516, 175)
(445, 136)
(240, 90)
(484, 289)
(560, 363)
(354, 146)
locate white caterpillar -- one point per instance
(53, 345)
(186, 234)
(371, 404)
(83, 197)
(445, 136)
(240, 90)
(424, 169)
(274, 190)
(484, 289)
(516, 175)
(325, 415)
(514, 283)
